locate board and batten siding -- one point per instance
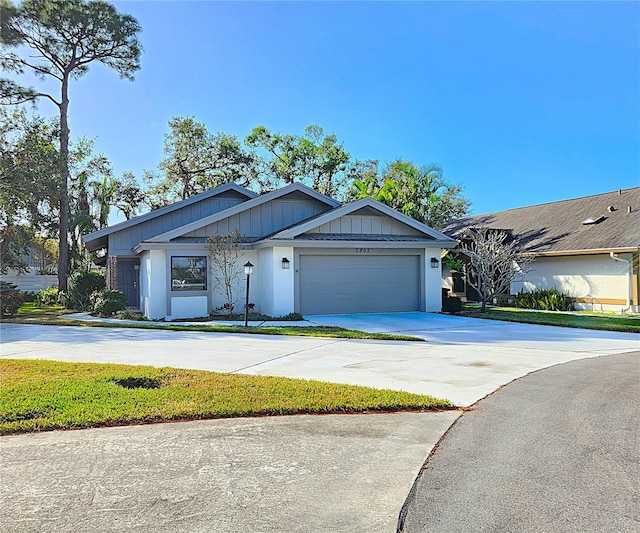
(266, 218)
(122, 242)
(366, 225)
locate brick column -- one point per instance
(112, 272)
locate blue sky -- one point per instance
(521, 103)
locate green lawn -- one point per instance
(569, 320)
(29, 313)
(46, 395)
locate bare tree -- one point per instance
(225, 254)
(494, 262)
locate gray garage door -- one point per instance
(359, 284)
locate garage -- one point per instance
(368, 283)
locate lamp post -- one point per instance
(248, 270)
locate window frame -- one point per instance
(187, 288)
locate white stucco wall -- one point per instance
(153, 284)
(593, 277)
(30, 282)
(433, 281)
(239, 288)
(275, 294)
(189, 307)
(264, 272)
(283, 282)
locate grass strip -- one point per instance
(38, 395)
(568, 320)
(54, 316)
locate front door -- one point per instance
(128, 281)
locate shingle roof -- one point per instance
(558, 226)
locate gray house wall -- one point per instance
(267, 218)
(122, 242)
(366, 225)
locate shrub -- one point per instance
(29, 296)
(293, 317)
(108, 302)
(10, 299)
(504, 301)
(128, 314)
(544, 300)
(48, 296)
(452, 304)
(81, 286)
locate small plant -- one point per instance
(10, 299)
(452, 304)
(453, 261)
(81, 286)
(128, 314)
(108, 302)
(504, 301)
(544, 300)
(49, 296)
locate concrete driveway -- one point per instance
(294, 474)
(463, 360)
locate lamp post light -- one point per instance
(248, 270)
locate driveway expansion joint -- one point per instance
(284, 356)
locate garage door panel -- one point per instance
(359, 284)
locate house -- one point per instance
(41, 272)
(585, 247)
(311, 255)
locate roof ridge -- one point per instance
(552, 202)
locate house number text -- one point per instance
(363, 250)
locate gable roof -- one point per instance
(97, 239)
(563, 227)
(262, 199)
(347, 209)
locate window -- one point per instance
(188, 273)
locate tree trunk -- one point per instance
(63, 251)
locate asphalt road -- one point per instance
(556, 451)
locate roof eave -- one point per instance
(273, 195)
(167, 209)
(297, 243)
(594, 251)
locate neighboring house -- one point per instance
(40, 274)
(586, 247)
(311, 255)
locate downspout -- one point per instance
(629, 277)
